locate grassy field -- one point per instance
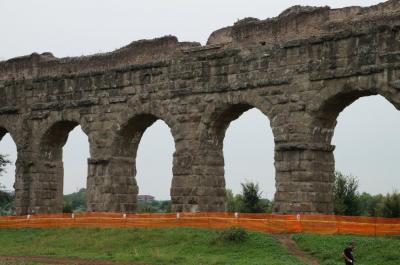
(152, 246)
(189, 246)
(369, 250)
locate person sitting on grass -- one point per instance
(348, 254)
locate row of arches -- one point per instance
(246, 156)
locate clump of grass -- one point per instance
(233, 234)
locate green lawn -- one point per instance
(369, 250)
(189, 246)
(154, 246)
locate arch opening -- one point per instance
(148, 145)
(249, 153)
(75, 156)
(243, 153)
(366, 140)
(335, 105)
(154, 165)
(330, 109)
(357, 131)
(129, 137)
(8, 179)
(65, 148)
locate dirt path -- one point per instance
(63, 261)
(287, 241)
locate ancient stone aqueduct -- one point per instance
(301, 69)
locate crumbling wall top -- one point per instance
(137, 52)
(295, 23)
(302, 22)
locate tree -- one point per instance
(251, 198)
(67, 208)
(234, 202)
(371, 205)
(6, 198)
(76, 201)
(391, 205)
(346, 196)
(165, 206)
(3, 163)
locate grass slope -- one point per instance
(369, 250)
(154, 246)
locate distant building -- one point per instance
(145, 198)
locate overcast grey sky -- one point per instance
(367, 135)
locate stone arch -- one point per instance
(11, 126)
(324, 109)
(4, 130)
(222, 118)
(334, 101)
(210, 162)
(222, 111)
(128, 137)
(50, 165)
(366, 143)
(55, 138)
(123, 159)
(22, 180)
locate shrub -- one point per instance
(67, 208)
(346, 196)
(76, 200)
(6, 202)
(233, 234)
(391, 205)
(371, 205)
(234, 202)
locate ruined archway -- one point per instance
(334, 102)
(211, 151)
(76, 152)
(20, 180)
(366, 144)
(52, 171)
(124, 155)
(154, 162)
(249, 153)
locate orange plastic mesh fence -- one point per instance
(270, 223)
